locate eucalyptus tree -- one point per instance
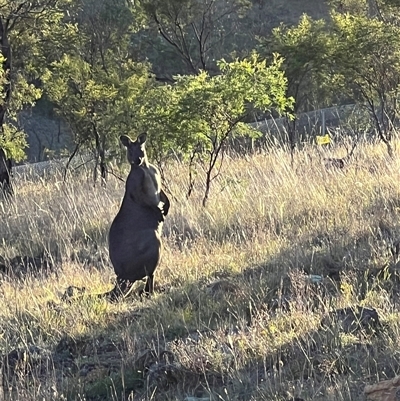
(365, 65)
(352, 57)
(22, 25)
(198, 114)
(306, 53)
(195, 32)
(96, 85)
(385, 10)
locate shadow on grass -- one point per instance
(198, 339)
(235, 336)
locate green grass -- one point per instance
(209, 330)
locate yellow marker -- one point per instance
(323, 140)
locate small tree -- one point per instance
(205, 111)
(96, 86)
(305, 51)
(21, 26)
(365, 65)
(196, 32)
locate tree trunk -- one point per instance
(5, 163)
(5, 173)
(100, 145)
(208, 186)
(5, 50)
(292, 134)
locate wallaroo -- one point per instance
(5, 173)
(135, 234)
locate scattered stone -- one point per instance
(386, 390)
(314, 278)
(354, 319)
(72, 292)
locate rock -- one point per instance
(386, 390)
(72, 292)
(314, 278)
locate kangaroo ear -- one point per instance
(142, 138)
(125, 140)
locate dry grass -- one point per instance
(209, 332)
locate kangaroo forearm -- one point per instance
(165, 200)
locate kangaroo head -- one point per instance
(135, 150)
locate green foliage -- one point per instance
(13, 141)
(91, 58)
(155, 114)
(383, 9)
(96, 85)
(305, 48)
(204, 109)
(351, 58)
(395, 3)
(212, 107)
(22, 25)
(354, 7)
(366, 66)
(201, 112)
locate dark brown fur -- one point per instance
(135, 233)
(335, 163)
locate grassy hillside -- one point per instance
(236, 315)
